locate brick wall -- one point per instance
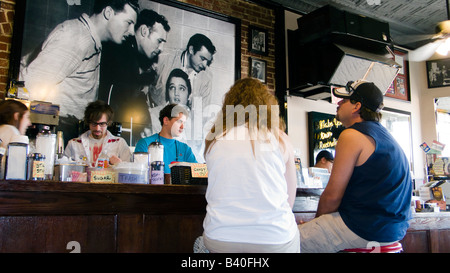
(6, 30)
(249, 13)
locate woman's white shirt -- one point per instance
(247, 193)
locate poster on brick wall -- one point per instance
(168, 52)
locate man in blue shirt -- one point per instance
(172, 118)
(368, 196)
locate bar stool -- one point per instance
(392, 248)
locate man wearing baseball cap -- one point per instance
(369, 192)
(324, 159)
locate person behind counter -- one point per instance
(172, 118)
(98, 139)
(251, 179)
(369, 192)
(324, 159)
(14, 120)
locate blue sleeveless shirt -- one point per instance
(376, 204)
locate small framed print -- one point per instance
(438, 73)
(399, 88)
(258, 69)
(258, 40)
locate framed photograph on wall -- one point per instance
(399, 88)
(258, 69)
(126, 76)
(258, 40)
(438, 74)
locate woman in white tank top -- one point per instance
(251, 175)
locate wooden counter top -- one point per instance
(41, 197)
(43, 216)
(58, 186)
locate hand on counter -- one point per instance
(114, 160)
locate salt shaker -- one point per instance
(157, 172)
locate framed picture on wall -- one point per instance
(438, 74)
(258, 40)
(399, 88)
(258, 69)
(124, 77)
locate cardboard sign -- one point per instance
(199, 170)
(38, 169)
(102, 177)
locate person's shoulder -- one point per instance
(75, 140)
(8, 128)
(169, 54)
(350, 133)
(148, 139)
(206, 74)
(116, 139)
(183, 145)
(72, 27)
(354, 139)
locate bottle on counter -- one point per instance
(155, 151)
(36, 166)
(157, 172)
(46, 145)
(59, 144)
(103, 160)
(156, 162)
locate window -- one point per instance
(398, 123)
(443, 123)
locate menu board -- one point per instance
(323, 133)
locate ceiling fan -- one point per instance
(437, 43)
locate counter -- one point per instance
(46, 216)
(49, 216)
(428, 231)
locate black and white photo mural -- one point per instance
(138, 56)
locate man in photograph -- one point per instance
(258, 40)
(195, 60)
(128, 69)
(65, 69)
(257, 71)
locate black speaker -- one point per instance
(330, 21)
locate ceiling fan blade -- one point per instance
(424, 52)
(409, 39)
(444, 26)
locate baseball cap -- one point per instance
(367, 93)
(324, 154)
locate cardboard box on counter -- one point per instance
(43, 107)
(42, 112)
